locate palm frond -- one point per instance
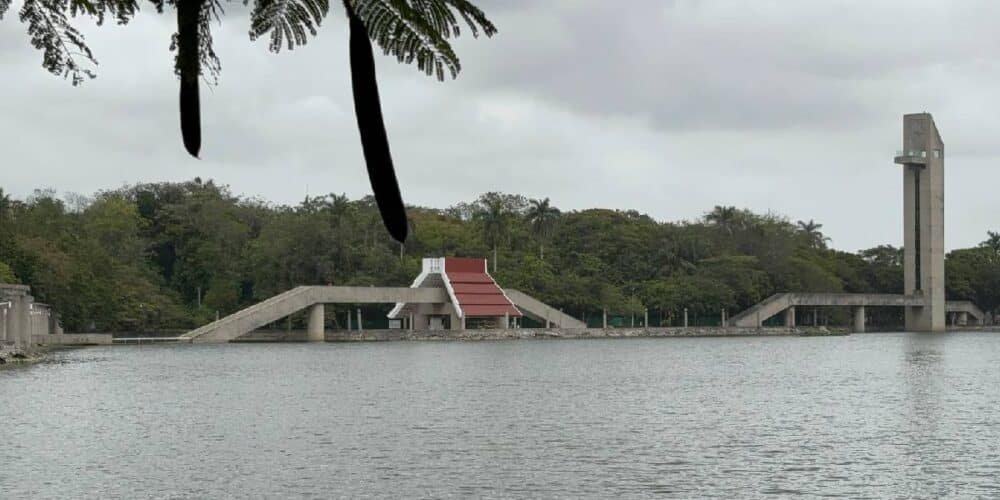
(187, 65)
(4, 5)
(288, 21)
(411, 30)
(121, 10)
(64, 52)
(419, 30)
(374, 140)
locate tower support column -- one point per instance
(315, 330)
(922, 159)
(859, 319)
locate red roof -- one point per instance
(476, 292)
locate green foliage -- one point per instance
(141, 257)
(410, 30)
(7, 274)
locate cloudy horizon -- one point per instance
(667, 107)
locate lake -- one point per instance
(871, 415)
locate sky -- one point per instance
(668, 107)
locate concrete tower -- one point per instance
(922, 159)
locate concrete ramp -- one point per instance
(540, 311)
(253, 317)
(967, 307)
(780, 302)
(761, 311)
(243, 322)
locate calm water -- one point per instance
(866, 415)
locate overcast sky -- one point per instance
(665, 106)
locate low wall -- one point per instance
(534, 333)
(73, 339)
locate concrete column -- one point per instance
(463, 322)
(604, 317)
(20, 324)
(923, 222)
(963, 319)
(645, 318)
(859, 319)
(790, 317)
(815, 316)
(360, 324)
(348, 320)
(685, 317)
(411, 322)
(506, 320)
(315, 330)
(723, 316)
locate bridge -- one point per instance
(787, 302)
(314, 298)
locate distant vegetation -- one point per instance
(170, 255)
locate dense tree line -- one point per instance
(172, 255)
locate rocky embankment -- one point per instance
(10, 355)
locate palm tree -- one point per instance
(811, 230)
(724, 217)
(542, 217)
(992, 242)
(493, 216)
(410, 30)
(4, 210)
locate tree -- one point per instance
(724, 217)
(811, 231)
(542, 217)
(7, 274)
(494, 216)
(410, 30)
(6, 220)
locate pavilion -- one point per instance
(474, 298)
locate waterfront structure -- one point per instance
(922, 159)
(474, 298)
(923, 298)
(24, 322)
(452, 293)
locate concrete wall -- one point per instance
(566, 333)
(75, 339)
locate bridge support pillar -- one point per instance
(604, 320)
(859, 319)
(315, 330)
(360, 324)
(685, 317)
(790, 317)
(963, 318)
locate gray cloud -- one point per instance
(668, 107)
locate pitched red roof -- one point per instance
(476, 292)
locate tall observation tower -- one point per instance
(922, 159)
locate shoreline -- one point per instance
(13, 356)
(540, 333)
